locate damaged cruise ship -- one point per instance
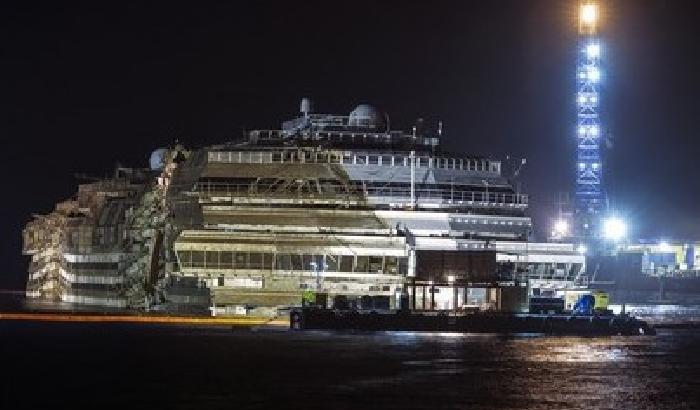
(340, 205)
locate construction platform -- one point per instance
(491, 322)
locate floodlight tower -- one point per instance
(589, 196)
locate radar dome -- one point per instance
(365, 115)
(157, 160)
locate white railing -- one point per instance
(353, 158)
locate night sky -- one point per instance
(87, 86)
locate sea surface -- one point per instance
(78, 365)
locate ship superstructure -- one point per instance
(337, 205)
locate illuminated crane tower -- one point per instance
(589, 197)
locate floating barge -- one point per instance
(491, 322)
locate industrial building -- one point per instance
(340, 205)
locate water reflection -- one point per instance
(182, 367)
(580, 350)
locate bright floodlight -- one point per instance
(614, 229)
(589, 14)
(593, 50)
(593, 130)
(593, 74)
(561, 228)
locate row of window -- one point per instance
(487, 222)
(91, 266)
(391, 265)
(262, 157)
(343, 137)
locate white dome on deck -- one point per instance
(365, 115)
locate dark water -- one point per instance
(52, 366)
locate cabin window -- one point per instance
(185, 258)
(346, 262)
(212, 259)
(306, 262)
(198, 259)
(375, 264)
(241, 260)
(226, 260)
(362, 264)
(403, 266)
(392, 265)
(267, 261)
(332, 263)
(255, 260)
(296, 262)
(283, 261)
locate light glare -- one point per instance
(614, 229)
(594, 74)
(593, 50)
(561, 228)
(589, 14)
